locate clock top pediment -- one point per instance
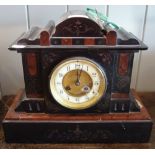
(78, 29)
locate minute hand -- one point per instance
(79, 75)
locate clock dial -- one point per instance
(77, 83)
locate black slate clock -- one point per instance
(77, 84)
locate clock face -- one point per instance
(77, 83)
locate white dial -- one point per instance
(77, 83)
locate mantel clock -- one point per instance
(77, 76)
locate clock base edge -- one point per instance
(104, 128)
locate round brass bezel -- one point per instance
(83, 105)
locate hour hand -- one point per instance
(78, 77)
(77, 82)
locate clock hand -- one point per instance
(80, 73)
(78, 77)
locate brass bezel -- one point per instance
(83, 105)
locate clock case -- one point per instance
(77, 34)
